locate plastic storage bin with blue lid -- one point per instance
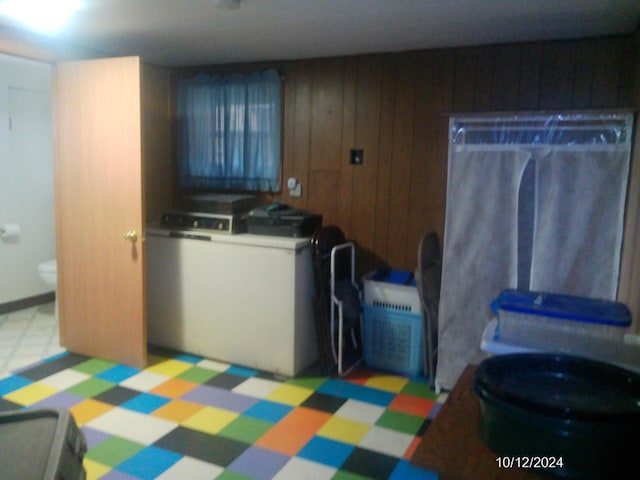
(564, 322)
(566, 307)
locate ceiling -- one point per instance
(200, 32)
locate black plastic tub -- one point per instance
(563, 415)
(41, 444)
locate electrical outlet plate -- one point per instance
(296, 192)
(357, 156)
(295, 187)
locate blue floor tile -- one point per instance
(344, 389)
(148, 463)
(326, 451)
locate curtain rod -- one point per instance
(541, 113)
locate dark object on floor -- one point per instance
(428, 277)
(336, 302)
(584, 412)
(41, 444)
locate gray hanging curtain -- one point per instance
(580, 206)
(533, 202)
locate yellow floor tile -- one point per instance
(210, 420)
(390, 383)
(95, 470)
(170, 368)
(344, 430)
(31, 394)
(88, 409)
(289, 394)
(177, 410)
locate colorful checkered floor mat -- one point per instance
(186, 417)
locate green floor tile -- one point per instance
(229, 475)
(91, 388)
(312, 383)
(420, 389)
(246, 429)
(94, 366)
(344, 475)
(113, 451)
(402, 422)
(197, 375)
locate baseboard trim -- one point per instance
(27, 303)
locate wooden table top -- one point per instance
(452, 445)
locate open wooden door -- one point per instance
(100, 208)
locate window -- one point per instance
(230, 132)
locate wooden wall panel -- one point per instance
(298, 129)
(395, 106)
(384, 191)
(325, 184)
(584, 70)
(430, 152)
(504, 85)
(606, 73)
(484, 74)
(367, 134)
(348, 141)
(529, 79)
(557, 75)
(326, 114)
(409, 90)
(464, 80)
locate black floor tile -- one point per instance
(324, 402)
(370, 464)
(226, 381)
(209, 448)
(6, 405)
(117, 395)
(54, 366)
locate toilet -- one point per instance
(49, 273)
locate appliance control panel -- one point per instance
(204, 221)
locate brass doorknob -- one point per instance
(131, 236)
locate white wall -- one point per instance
(26, 176)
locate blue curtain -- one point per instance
(230, 132)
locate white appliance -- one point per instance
(243, 299)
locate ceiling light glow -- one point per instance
(41, 15)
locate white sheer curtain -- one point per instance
(580, 205)
(534, 203)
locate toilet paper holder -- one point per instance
(9, 231)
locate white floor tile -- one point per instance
(298, 468)
(36, 350)
(132, 425)
(192, 469)
(65, 379)
(360, 411)
(257, 387)
(20, 362)
(383, 440)
(213, 365)
(27, 337)
(144, 381)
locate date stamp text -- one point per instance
(529, 462)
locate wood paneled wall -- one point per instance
(395, 107)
